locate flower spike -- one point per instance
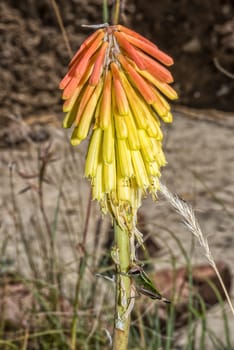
(117, 84)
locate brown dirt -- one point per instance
(194, 33)
(34, 57)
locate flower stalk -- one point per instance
(123, 289)
(105, 12)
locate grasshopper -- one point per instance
(143, 283)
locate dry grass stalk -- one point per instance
(186, 211)
(61, 26)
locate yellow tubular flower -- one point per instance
(163, 87)
(153, 128)
(152, 169)
(105, 108)
(93, 155)
(140, 171)
(136, 103)
(124, 189)
(132, 132)
(146, 146)
(109, 176)
(87, 116)
(119, 120)
(124, 159)
(108, 144)
(118, 85)
(97, 185)
(120, 126)
(70, 117)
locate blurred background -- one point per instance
(53, 240)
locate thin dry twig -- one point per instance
(61, 26)
(190, 221)
(221, 69)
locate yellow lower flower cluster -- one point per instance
(124, 159)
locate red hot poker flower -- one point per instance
(116, 82)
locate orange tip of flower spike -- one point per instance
(129, 49)
(84, 100)
(140, 83)
(85, 44)
(89, 50)
(63, 83)
(98, 66)
(166, 89)
(149, 49)
(156, 69)
(131, 32)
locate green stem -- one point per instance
(116, 12)
(123, 290)
(105, 12)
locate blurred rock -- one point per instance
(175, 284)
(192, 46)
(20, 132)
